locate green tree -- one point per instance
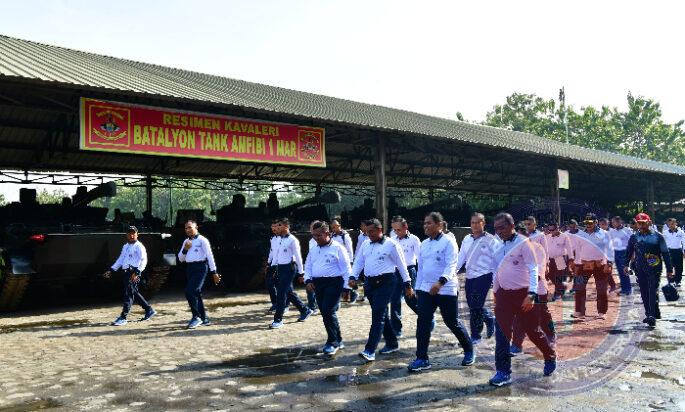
(639, 131)
(3, 201)
(55, 195)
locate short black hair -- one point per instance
(318, 224)
(283, 221)
(436, 217)
(531, 219)
(506, 217)
(373, 222)
(399, 219)
(478, 215)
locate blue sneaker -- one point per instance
(469, 358)
(119, 322)
(305, 315)
(276, 325)
(206, 322)
(419, 365)
(315, 311)
(475, 341)
(550, 366)
(330, 350)
(341, 345)
(148, 315)
(194, 323)
(367, 356)
(514, 350)
(500, 379)
(389, 349)
(490, 329)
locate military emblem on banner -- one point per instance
(109, 126)
(311, 145)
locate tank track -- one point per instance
(156, 278)
(12, 288)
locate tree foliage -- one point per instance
(638, 131)
(53, 195)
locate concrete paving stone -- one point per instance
(158, 365)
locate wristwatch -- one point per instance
(533, 295)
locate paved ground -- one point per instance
(69, 359)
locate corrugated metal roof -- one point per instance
(30, 60)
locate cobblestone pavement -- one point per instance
(70, 359)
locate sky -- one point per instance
(432, 57)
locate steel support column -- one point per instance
(650, 197)
(148, 194)
(381, 182)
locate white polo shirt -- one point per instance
(377, 258)
(285, 250)
(438, 258)
(133, 255)
(200, 251)
(674, 240)
(330, 260)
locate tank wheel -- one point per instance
(12, 288)
(247, 277)
(155, 280)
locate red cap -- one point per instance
(642, 217)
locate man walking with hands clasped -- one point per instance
(326, 270)
(378, 258)
(438, 287)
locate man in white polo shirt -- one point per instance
(326, 270)
(559, 251)
(378, 258)
(515, 286)
(675, 240)
(197, 254)
(438, 287)
(620, 234)
(410, 245)
(475, 256)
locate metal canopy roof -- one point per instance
(40, 86)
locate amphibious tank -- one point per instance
(56, 252)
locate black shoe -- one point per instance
(651, 321)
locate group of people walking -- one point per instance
(517, 262)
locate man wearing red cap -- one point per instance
(647, 249)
